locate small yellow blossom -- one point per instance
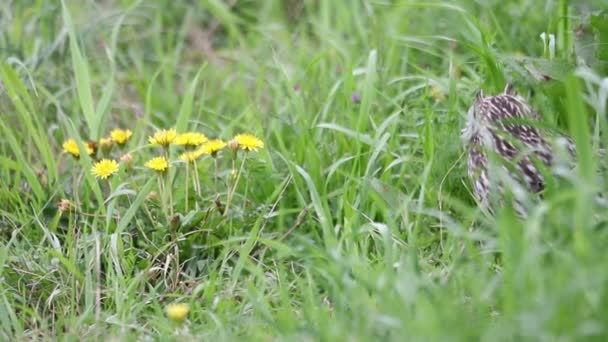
(249, 142)
(190, 156)
(163, 138)
(178, 311)
(212, 146)
(71, 146)
(105, 142)
(190, 139)
(104, 168)
(120, 136)
(160, 164)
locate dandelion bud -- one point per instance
(64, 205)
(233, 145)
(91, 147)
(152, 195)
(44, 181)
(127, 159)
(105, 144)
(175, 222)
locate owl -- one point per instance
(502, 128)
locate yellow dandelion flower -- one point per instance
(120, 136)
(178, 311)
(104, 168)
(105, 142)
(213, 146)
(249, 142)
(190, 139)
(71, 146)
(190, 156)
(164, 137)
(160, 164)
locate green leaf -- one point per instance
(141, 197)
(191, 219)
(185, 110)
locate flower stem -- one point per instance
(215, 174)
(196, 181)
(236, 182)
(177, 265)
(187, 185)
(169, 189)
(163, 197)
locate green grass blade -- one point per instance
(27, 114)
(81, 71)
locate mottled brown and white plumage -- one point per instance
(503, 125)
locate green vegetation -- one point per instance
(354, 221)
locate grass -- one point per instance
(354, 222)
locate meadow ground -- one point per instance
(354, 220)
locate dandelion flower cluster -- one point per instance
(104, 168)
(120, 136)
(190, 139)
(164, 137)
(160, 164)
(194, 144)
(71, 146)
(248, 142)
(178, 311)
